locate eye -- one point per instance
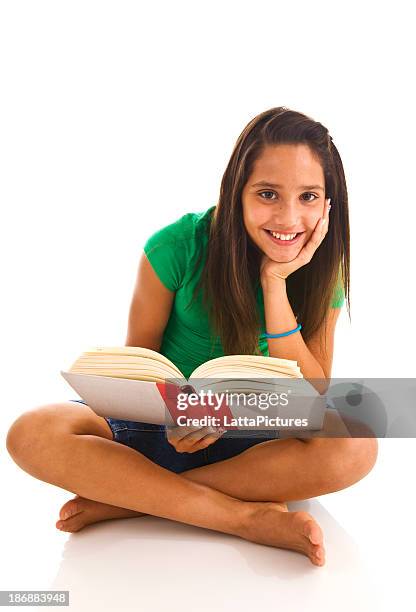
(312, 194)
(307, 193)
(261, 192)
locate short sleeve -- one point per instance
(168, 256)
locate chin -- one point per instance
(283, 259)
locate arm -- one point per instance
(150, 308)
(279, 317)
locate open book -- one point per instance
(139, 384)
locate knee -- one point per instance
(26, 434)
(345, 461)
(364, 452)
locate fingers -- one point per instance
(326, 214)
(197, 439)
(198, 435)
(188, 447)
(182, 432)
(322, 225)
(319, 233)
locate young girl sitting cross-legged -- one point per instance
(265, 271)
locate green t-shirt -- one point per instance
(173, 252)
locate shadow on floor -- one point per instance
(153, 564)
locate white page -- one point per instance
(120, 398)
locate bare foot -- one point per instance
(80, 511)
(267, 524)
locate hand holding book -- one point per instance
(189, 439)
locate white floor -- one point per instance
(153, 564)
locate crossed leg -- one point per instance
(323, 462)
(71, 447)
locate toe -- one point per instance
(282, 506)
(312, 531)
(70, 508)
(62, 525)
(75, 524)
(71, 525)
(317, 554)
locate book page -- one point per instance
(135, 351)
(119, 398)
(254, 364)
(126, 362)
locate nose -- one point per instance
(286, 215)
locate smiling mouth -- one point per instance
(282, 241)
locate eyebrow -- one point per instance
(266, 184)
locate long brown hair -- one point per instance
(231, 274)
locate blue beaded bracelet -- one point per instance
(292, 331)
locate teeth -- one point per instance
(283, 236)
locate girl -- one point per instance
(268, 255)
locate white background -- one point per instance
(119, 117)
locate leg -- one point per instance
(63, 444)
(58, 444)
(326, 463)
(321, 464)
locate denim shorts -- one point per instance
(151, 440)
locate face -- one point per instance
(286, 194)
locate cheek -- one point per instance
(312, 220)
(255, 217)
